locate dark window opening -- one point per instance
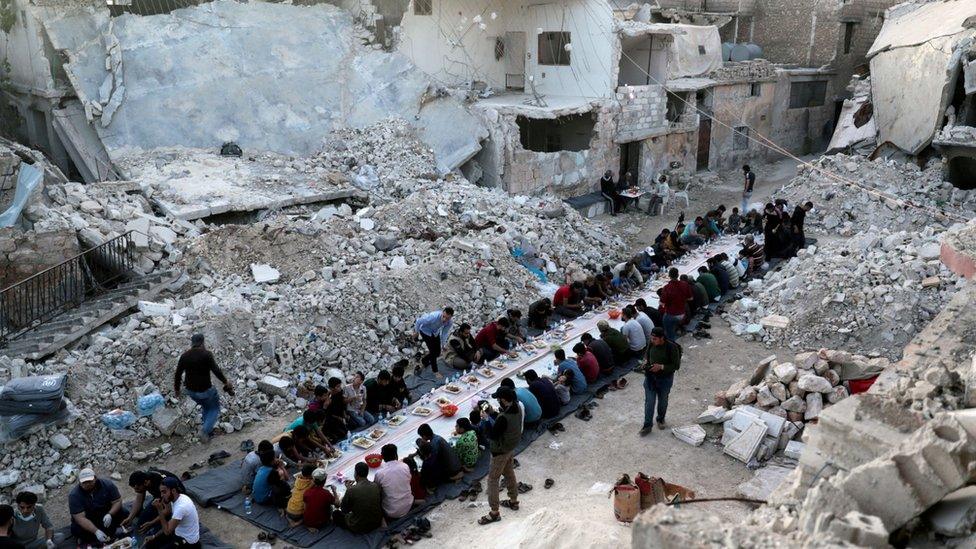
(848, 36)
(740, 139)
(755, 89)
(961, 172)
(677, 102)
(964, 105)
(423, 7)
(808, 94)
(552, 48)
(499, 48)
(701, 50)
(566, 133)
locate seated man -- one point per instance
(270, 485)
(491, 340)
(444, 464)
(708, 280)
(587, 362)
(609, 191)
(600, 350)
(627, 276)
(466, 444)
(96, 509)
(563, 364)
(544, 392)
(143, 515)
(355, 395)
(645, 262)
(515, 334)
(531, 410)
(617, 342)
(312, 420)
(462, 352)
(336, 424)
(540, 313)
(754, 253)
(380, 397)
(180, 523)
(692, 235)
(361, 508)
(249, 466)
(662, 192)
(633, 331)
(568, 300)
(319, 501)
(393, 478)
(321, 398)
(28, 521)
(593, 290)
(401, 393)
(653, 314)
(295, 510)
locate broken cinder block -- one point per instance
(273, 386)
(692, 434)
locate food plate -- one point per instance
(495, 365)
(421, 411)
(396, 420)
(363, 442)
(441, 401)
(453, 389)
(376, 434)
(540, 345)
(486, 372)
(589, 315)
(471, 379)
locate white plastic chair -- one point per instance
(683, 194)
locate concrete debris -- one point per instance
(765, 481)
(264, 273)
(794, 449)
(692, 434)
(745, 445)
(956, 514)
(866, 295)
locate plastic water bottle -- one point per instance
(247, 505)
(134, 542)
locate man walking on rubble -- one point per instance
(748, 182)
(197, 364)
(434, 328)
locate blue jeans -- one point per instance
(746, 197)
(359, 421)
(656, 389)
(671, 325)
(209, 400)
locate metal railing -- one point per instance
(45, 295)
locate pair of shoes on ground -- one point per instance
(647, 430)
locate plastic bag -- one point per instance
(118, 419)
(147, 404)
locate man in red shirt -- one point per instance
(318, 502)
(568, 300)
(491, 339)
(587, 362)
(675, 298)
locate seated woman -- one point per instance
(466, 444)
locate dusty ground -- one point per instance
(593, 452)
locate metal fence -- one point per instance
(38, 299)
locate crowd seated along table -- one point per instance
(536, 354)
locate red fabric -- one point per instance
(318, 507)
(861, 385)
(417, 487)
(562, 295)
(589, 365)
(675, 296)
(488, 335)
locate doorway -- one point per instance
(704, 142)
(630, 160)
(514, 60)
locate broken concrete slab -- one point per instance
(713, 414)
(264, 273)
(692, 434)
(794, 449)
(166, 420)
(774, 321)
(150, 308)
(955, 515)
(746, 444)
(273, 386)
(764, 482)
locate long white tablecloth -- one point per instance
(404, 435)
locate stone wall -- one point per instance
(734, 106)
(802, 130)
(660, 151)
(23, 254)
(642, 112)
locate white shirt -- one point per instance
(646, 323)
(350, 392)
(185, 512)
(633, 273)
(394, 481)
(635, 334)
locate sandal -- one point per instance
(549, 483)
(559, 426)
(523, 487)
(509, 504)
(621, 383)
(247, 445)
(515, 463)
(464, 495)
(490, 518)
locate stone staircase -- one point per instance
(72, 325)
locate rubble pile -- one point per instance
(766, 413)
(848, 209)
(870, 295)
(342, 295)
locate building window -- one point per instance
(740, 140)
(423, 7)
(499, 48)
(566, 133)
(552, 48)
(755, 89)
(848, 36)
(701, 50)
(807, 94)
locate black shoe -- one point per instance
(645, 431)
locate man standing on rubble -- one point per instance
(748, 182)
(662, 360)
(198, 363)
(434, 328)
(798, 218)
